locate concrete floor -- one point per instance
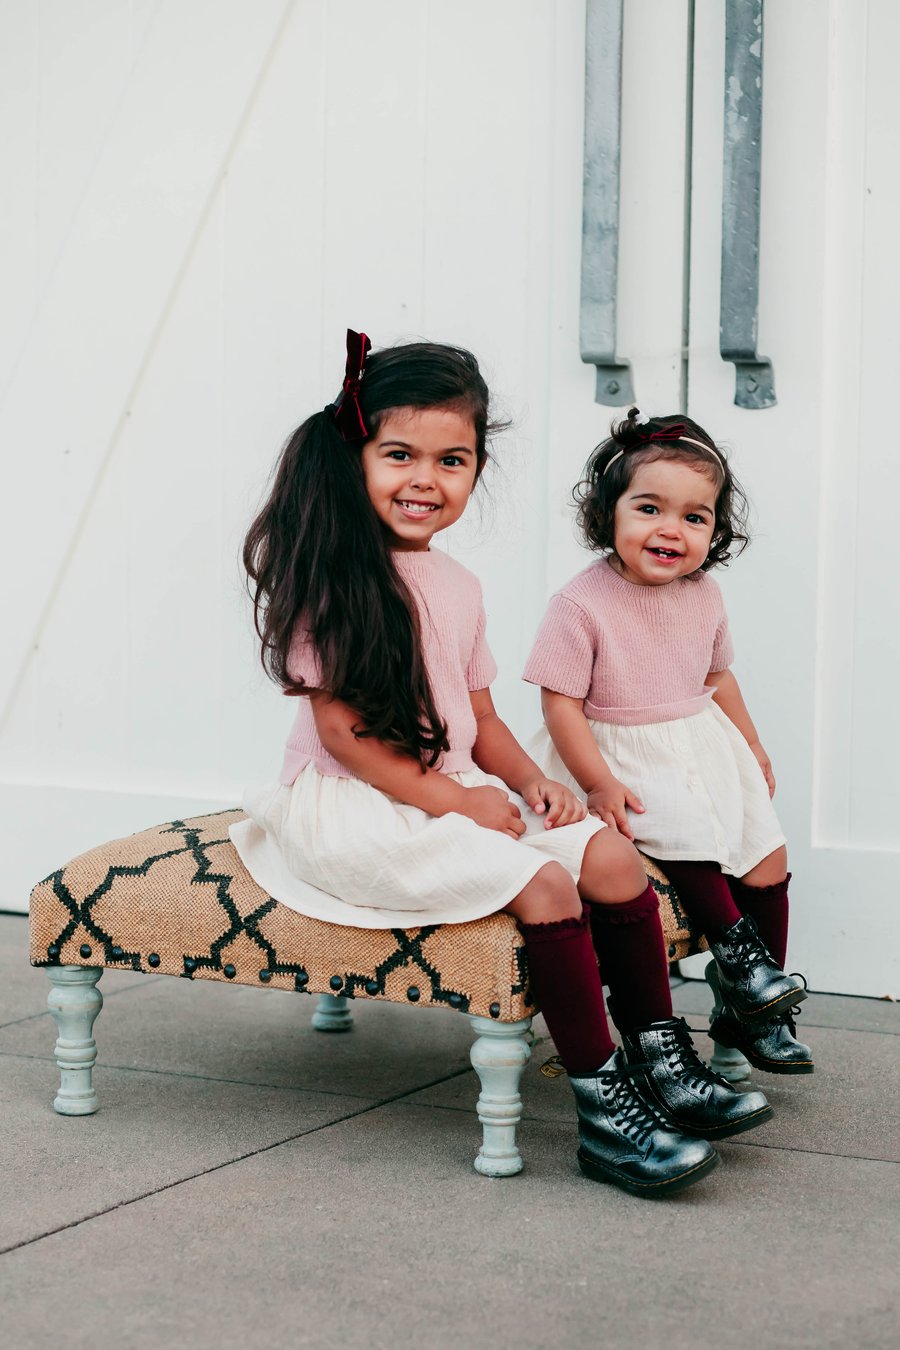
(250, 1182)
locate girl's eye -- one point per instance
(399, 455)
(694, 519)
(648, 508)
(452, 461)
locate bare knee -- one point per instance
(549, 896)
(612, 872)
(770, 871)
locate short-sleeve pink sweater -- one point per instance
(457, 658)
(634, 654)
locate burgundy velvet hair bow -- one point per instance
(673, 433)
(347, 411)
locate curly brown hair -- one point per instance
(608, 473)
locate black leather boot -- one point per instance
(625, 1141)
(769, 1044)
(753, 983)
(686, 1092)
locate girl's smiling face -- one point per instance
(664, 522)
(420, 470)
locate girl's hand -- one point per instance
(765, 764)
(562, 807)
(609, 802)
(491, 808)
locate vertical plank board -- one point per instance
(872, 626)
(271, 354)
(19, 68)
(150, 187)
(87, 58)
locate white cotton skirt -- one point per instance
(339, 849)
(704, 793)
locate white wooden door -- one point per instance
(814, 601)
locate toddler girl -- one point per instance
(403, 798)
(644, 718)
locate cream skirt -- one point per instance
(339, 849)
(704, 793)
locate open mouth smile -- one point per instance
(664, 554)
(416, 508)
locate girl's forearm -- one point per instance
(572, 737)
(497, 752)
(387, 769)
(727, 694)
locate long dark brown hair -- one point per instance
(607, 477)
(317, 554)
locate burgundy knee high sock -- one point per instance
(767, 906)
(703, 893)
(563, 971)
(630, 941)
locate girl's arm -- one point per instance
(497, 752)
(570, 733)
(402, 777)
(727, 693)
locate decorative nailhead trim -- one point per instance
(53, 951)
(117, 953)
(413, 993)
(229, 972)
(190, 965)
(301, 980)
(265, 976)
(335, 982)
(372, 987)
(494, 1010)
(153, 960)
(85, 949)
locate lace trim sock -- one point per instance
(703, 893)
(562, 968)
(629, 939)
(768, 907)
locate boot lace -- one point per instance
(683, 1060)
(749, 950)
(631, 1112)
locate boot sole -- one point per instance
(777, 1005)
(597, 1171)
(772, 1065)
(723, 1131)
(759, 1061)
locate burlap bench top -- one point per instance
(176, 900)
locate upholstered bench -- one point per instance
(176, 900)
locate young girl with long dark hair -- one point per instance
(403, 798)
(646, 721)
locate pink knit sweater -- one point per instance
(457, 657)
(634, 654)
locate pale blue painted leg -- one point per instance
(730, 1063)
(499, 1055)
(74, 1002)
(332, 1013)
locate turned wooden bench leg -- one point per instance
(499, 1055)
(731, 1064)
(332, 1013)
(75, 1002)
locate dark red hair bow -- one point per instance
(347, 411)
(673, 433)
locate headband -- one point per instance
(674, 433)
(346, 409)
